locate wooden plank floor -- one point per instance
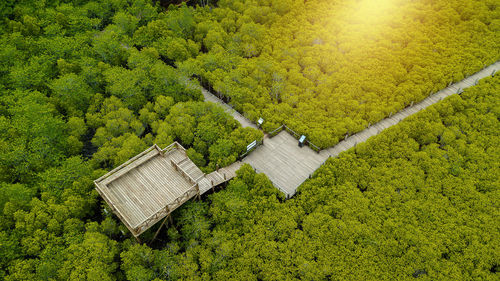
(218, 177)
(147, 188)
(288, 166)
(285, 163)
(149, 182)
(229, 172)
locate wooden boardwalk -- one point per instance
(285, 163)
(212, 98)
(218, 177)
(151, 185)
(236, 115)
(288, 166)
(396, 118)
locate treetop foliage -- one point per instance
(331, 68)
(85, 85)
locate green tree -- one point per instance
(92, 259)
(72, 94)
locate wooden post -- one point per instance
(138, 240)
(198, 190)
(159, 228)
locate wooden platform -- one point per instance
(288, 166)
(154, 183)
(150, 186)
(285, 163)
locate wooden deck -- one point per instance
(150, 186)
(288, 166)
(285, 163)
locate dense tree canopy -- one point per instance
(85, 85)
(331, 68)
(417, 201)
(81, 92)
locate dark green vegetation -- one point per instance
(86, 85)
(80, 94)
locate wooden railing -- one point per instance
(172, 146)
(184, 173)
(276, 131)
(260, 142)
(169, 208)
(295, 135)
(130, 161)
(115, 210)
(287, 196)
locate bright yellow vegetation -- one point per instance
(328, 68)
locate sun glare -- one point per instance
(373, 11)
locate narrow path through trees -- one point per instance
(287, 165)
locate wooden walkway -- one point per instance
(236, 115)
(218, 177)
(151, 185)
(396, 118)
(288, 166)
(212, 98)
